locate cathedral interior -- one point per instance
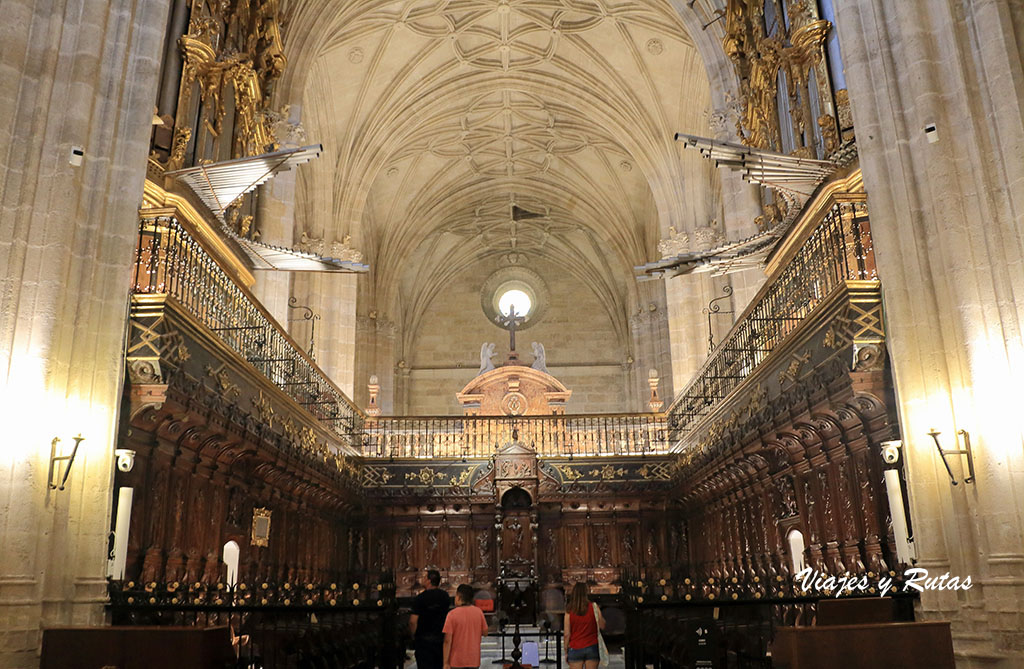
(709, 304)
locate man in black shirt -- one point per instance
(429, 610)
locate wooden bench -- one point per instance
(878, 646)
(136, 648)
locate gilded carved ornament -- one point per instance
(661, 471)
(607, 473)
(222, 382)
(290, 429)
(758, 57)
(264, 409)
(244, 58)
(568, 473)
(462, 480)
(792, 371)
(307, 438)
(425, 476)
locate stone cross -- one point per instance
(510, 322)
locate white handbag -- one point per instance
(600, 639)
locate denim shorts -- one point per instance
(583, 654)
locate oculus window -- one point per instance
(515, 298)
(514, 286)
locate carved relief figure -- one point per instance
(628, 546)
(787, 496)
(809, 502)
(360, 548)
(674, 244)
(235, 508)
(516, 544)
(198, 510)
(846, 499)
(382, 554)
(514, 469)
(604, 550)
(405, 549)
(867, 498)
(652, 549)
(483, 547)
(577, 547)
(683, 550)
(458, 551)
(551, 551)
(156, 527)
(431, 557)
(826, 504)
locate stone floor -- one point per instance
(490, 652)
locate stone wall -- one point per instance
(949, 240)
(583, 349)
(72, 74)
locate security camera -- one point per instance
(125, 459)
(891, 451)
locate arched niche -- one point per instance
(516, 498)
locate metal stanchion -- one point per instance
(547, 644)
(501, 633)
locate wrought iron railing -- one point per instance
(275, 625)
(745, 611)
(839, 249)
(481, 436)
(169, 261)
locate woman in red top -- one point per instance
(582, 620)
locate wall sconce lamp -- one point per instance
(966, 450)
(125, 459)
(55, 460)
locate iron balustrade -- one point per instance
(662, 612)
(839, 249)
(275, 625)
(169, 261)
(481, 436)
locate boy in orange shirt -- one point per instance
(463, 629)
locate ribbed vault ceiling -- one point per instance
(456, 130)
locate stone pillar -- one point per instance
(949, 243)
(741, 204)
(333, 297)
(276, 219)
(402, 383)
(75, 74)
(375, 346)
(651, 350)
(277, 222)
(721, 207)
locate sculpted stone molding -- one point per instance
(676, 243)
(342, 250)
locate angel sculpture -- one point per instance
(486, 352)
(539, 358)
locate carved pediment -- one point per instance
(514, 390)
(516, 448)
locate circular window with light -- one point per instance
(516, 299)
(514, 287)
